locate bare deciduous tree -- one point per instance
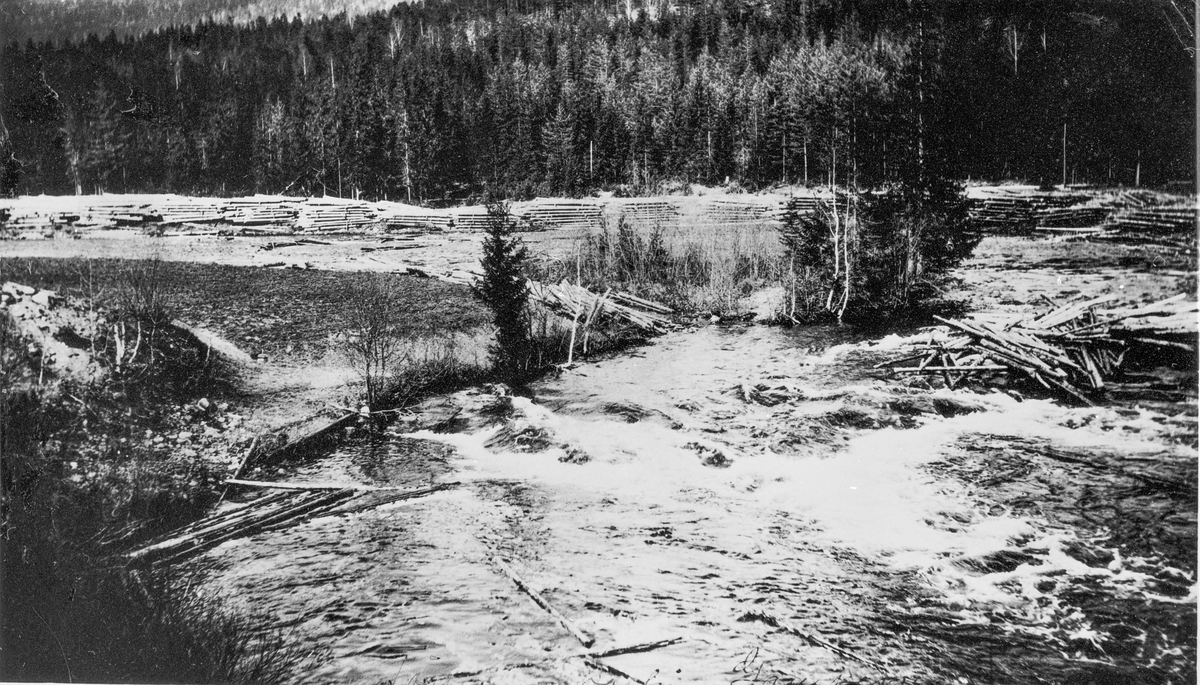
(378, 337)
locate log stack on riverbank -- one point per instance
(1086, 212)
(335, 215)
(1074, 350)
(261, 211)
(559, 213)
(583, 306)
(1135, 213)
(1017, 207)
(644, 211)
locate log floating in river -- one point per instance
(306, 486)
(584, 639)
(289, 507)
(271, 511)
(633, 649)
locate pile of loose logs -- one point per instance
(1072, 350)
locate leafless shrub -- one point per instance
(378, 338)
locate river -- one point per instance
(763, 495)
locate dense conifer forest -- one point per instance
(439, 99)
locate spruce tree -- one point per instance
(503, 289)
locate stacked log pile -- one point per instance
(576, 302)
(177, 209)
(1016, 207)
(1072, 350)
(550, 213)
(1127, 214)
(1124, 213)
(267, 214)
(1086, 215)
(399, 217)
(82, 212)
(469, 218)
(261, 210)
(40, 216)
(644, 211)
(1133, 216)
(1171, 218)
(90, 212)
(334, 215)
(120, 210)
(734, 211)
(808, 200)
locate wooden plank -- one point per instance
(1093, 372)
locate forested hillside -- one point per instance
(40, 20)
(439, 99)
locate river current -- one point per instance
(759, 493)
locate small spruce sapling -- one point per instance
(504, 290)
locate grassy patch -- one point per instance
(67, 620)
(691, 270)
(289, 315)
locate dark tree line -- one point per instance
(439, 99)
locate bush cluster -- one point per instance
(874, 256)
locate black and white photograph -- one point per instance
(597, 342)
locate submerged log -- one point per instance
(293, 505)
(303, 441)
(584, 639)
(611, 670)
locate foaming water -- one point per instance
(871, 492)
(741, 489)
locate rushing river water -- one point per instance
(758, 493)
